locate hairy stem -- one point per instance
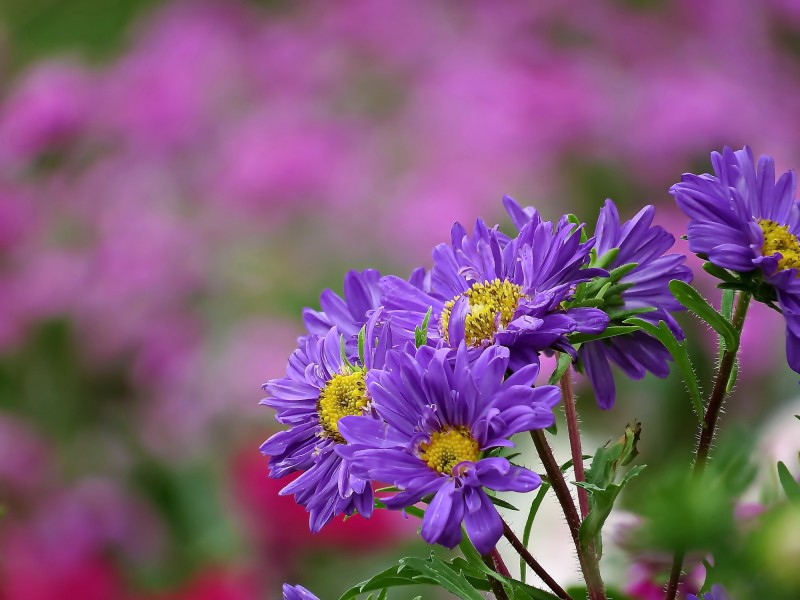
(709, 425)
(499, 564)
(533, 563)
(571, 412)
(497, 587)
(590, 566)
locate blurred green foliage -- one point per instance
(93, 28)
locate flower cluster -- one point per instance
(421, 383)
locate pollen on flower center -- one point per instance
(449, 447)
(778, 239)
(492, 305)
(344, 395)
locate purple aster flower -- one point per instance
(742, 220)
(320, 388)
(487, 288)
(717, 593)
(440, 418)
(297, 592)
(348, 314)
(644, 287)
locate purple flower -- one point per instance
(717, 593)
(441, 417)
(348, 314)
(645, 286)
(297, 592)
(487, 288)
(320, 388)
(742, 220)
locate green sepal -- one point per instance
(578, 224)
(564, 360)
(619, 272)
(692, 300)
(608, 257)
(361, 335)
(718, 272)
(421, 331)
(343, 355)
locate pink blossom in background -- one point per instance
(24, 457)
(49, 108)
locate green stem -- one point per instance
(590, 567)
(709, 425)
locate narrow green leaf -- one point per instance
(526, 533)
(789, 484)
(692, 300)
(502, 503)
(679, 355)
(613, 331)
(618, 314)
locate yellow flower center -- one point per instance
(344, 395)
(448, 448)
(492, 305)
(778, 239)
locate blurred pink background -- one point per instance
(168, 206)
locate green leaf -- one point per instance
(421, 331)
(389, 578)
(681, 357)
(692, 300)
(789, 484)
(443, 574)
(473, 566)
(602, 501)
(613, 331)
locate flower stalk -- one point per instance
(709, 425)
(574, 432)
(590, 566)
